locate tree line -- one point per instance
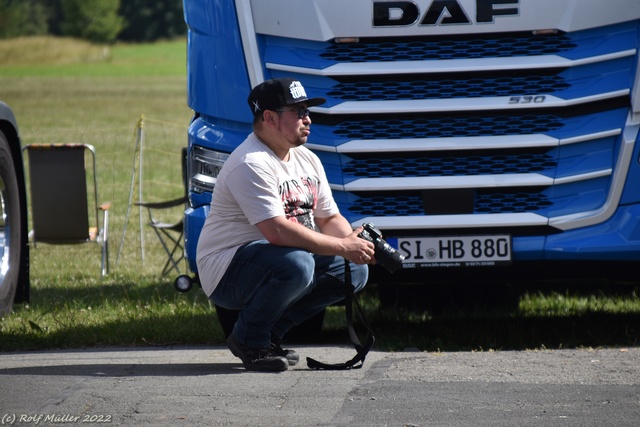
(99, 21)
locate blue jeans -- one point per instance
(278, 287)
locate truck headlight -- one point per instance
(205, 166)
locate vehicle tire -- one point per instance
(227, 319)
(306, 331)
(10, 227)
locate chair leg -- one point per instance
(104, 268)
(171, 263)
(105, 259)
(171, 259)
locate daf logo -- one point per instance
(439, 12)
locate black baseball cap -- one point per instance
(277, 93)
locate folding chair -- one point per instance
(60, 201)
(170, 234)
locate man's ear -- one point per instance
(270, 117)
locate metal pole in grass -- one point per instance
(137, 155)
(140, 163)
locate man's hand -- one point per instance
(358, 250)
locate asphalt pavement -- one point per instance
(207, 386)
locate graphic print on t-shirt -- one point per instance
(299, 197)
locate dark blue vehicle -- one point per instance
(14, 245)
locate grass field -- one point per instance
(64, 90)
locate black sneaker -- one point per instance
(291, 355)
(257, 359)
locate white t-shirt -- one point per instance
(254, 185)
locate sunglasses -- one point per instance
(301, 112)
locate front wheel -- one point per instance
(10, 227)
(306, 331)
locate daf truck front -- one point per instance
(478, 135)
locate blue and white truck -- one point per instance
(491, 136)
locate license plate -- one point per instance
(454, 251)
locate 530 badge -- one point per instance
(538, 99)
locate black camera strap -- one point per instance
(361, 350)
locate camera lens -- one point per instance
(387, 256)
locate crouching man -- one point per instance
(274, 243)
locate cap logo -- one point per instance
(296, 90)
(256, 106)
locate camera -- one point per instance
(387, 256)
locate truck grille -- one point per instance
(445, 127)
(485, 203)
(452, 165)
(449, 121)
(471, 87)
(417, 50)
